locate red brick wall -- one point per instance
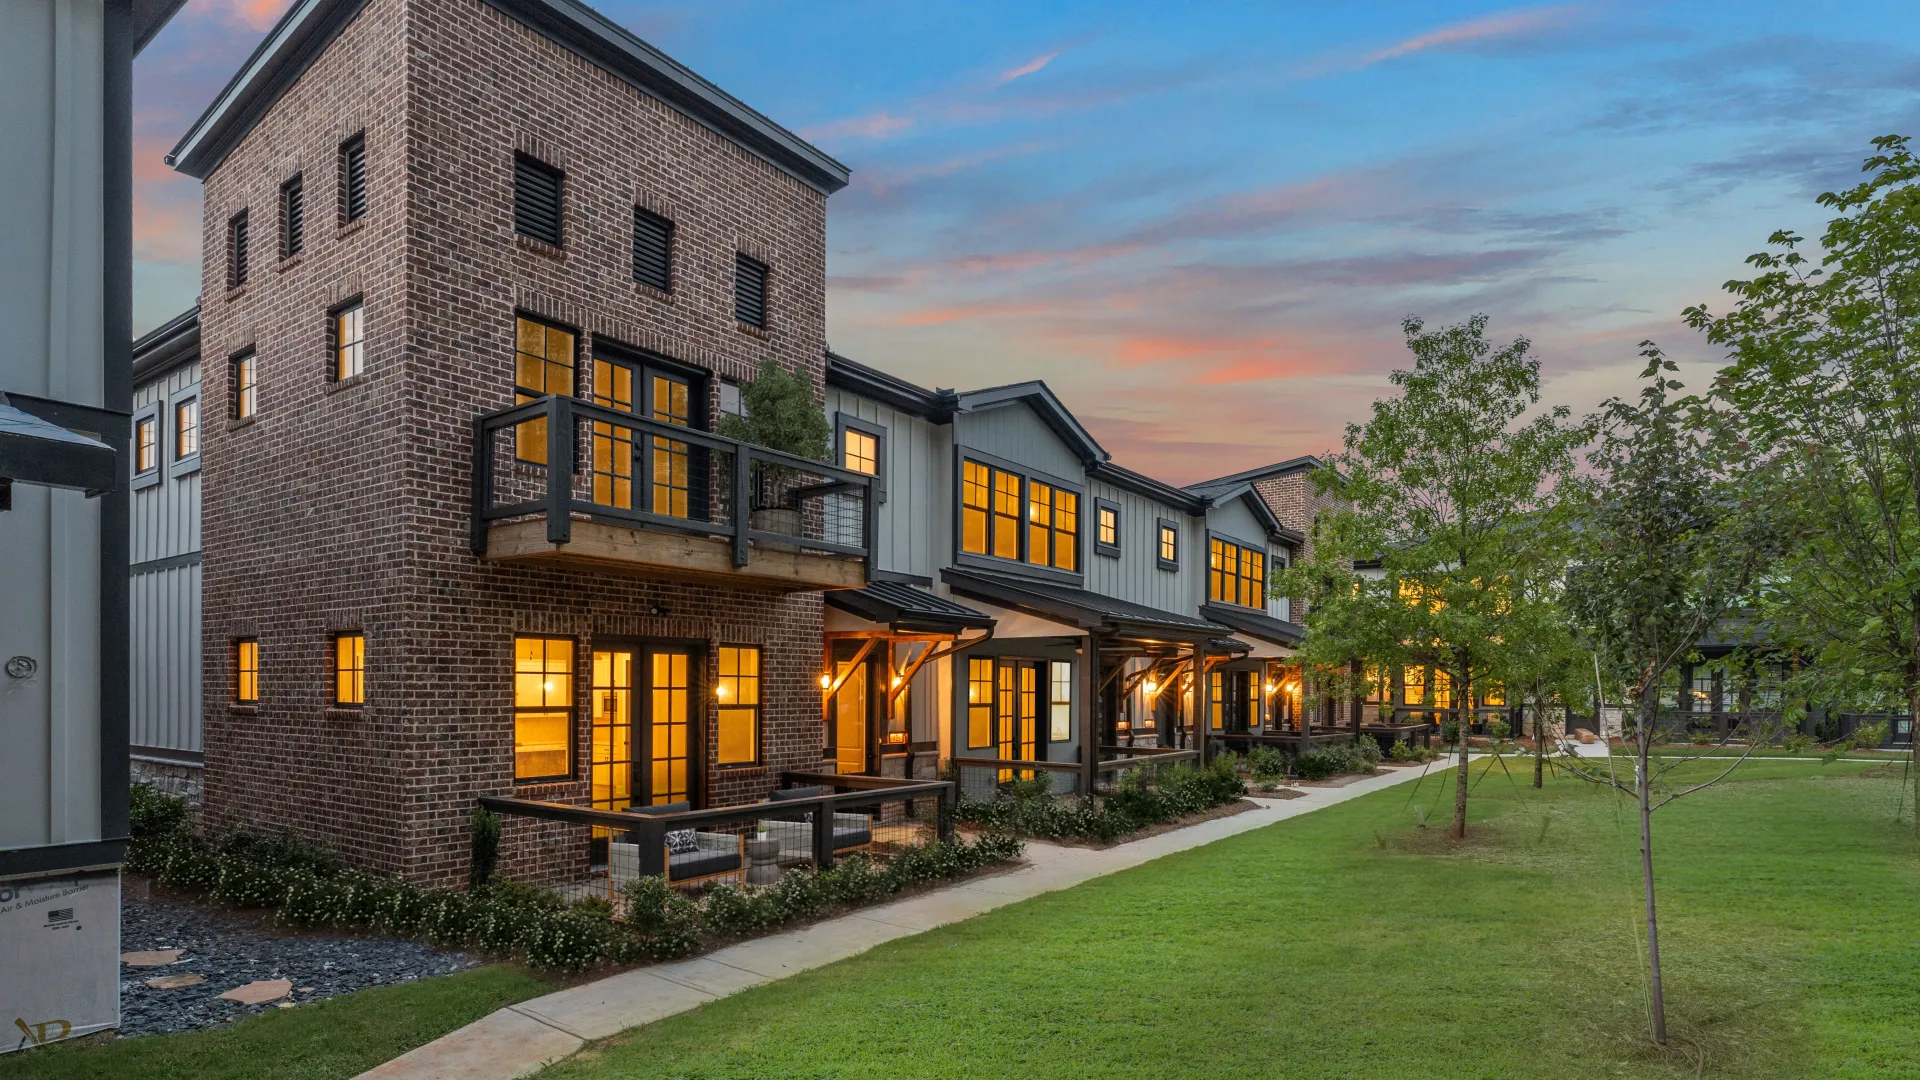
(347, 505)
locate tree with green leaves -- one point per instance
(1672, 544)
(1444, 485)
(1824, 387)
(779, 412)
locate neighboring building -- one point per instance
(1068, 603)
(66, 299)
(164, 646)
(418, 214)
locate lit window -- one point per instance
(1169, 544)
(1217, 700)
(246, 671)
(1236, 575)
(1442, 689)
(1006, 515)
(979, 703)
(1060, 704)
(349, 342)
(542, 365)
(738, 696)
(1108, 527)
(186, 429)
(350, 669)
(860, 452)
(989, 511)
(542, 708)
(974, 507)
(246, 390)
(146, 450)
(1414, 680)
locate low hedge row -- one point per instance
(1333, 759)
(1144, 797)
(310, 886)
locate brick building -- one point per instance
(421, 212)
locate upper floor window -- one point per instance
(1169, 545)
(652, 250)
(1053, 526)
(542, 708)
(245, 385)
(186, 429)
(543, 362)
(989, 511)
(750, 291)
(738, 696)
(730, 403)
(1106, 527)
(350, 668)
(353, 179)
(860, 452)
(348, 341)
(146, 444)
(293, 218)
(246, 671)
(237, 250)
(1236, 574)
(536, 200)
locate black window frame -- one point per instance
(334, 312)
(178, 464)
(745, 267)
(152, 474)
(1101, 547)
(759, 707)
(1242, 547)
(663, 282)
(572, 709)
(238, 243)
(353, 178)
(1161, 527)
(1027, 475)
(528, 172)
(845, 422)
(236, 393)
(293, 216)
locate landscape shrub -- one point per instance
(151, 813)
(1142, 798)
(1870, 736)
(485, 847)
(1266, 763)
(1327, 760)
(1450, 733)
(1404, 751)
(1797, 743)
(1497, 730)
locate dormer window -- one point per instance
(1236, 574)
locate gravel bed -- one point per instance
(232, 948)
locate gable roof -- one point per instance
(167, 346)
(309, 26)
(1248, 476)
(1035, 395)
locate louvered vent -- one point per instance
(536, 200)
(293, 231)
(237, 250)
(750, 291)
(652, 250)
(353, 178)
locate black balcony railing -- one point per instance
(618, 468)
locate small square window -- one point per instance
(1106, 528)
(1169, 545)
(246, 671)
(350, 668)
(730, 403)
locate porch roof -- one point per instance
(1080, 608)
(1256, 624)
(907, 609)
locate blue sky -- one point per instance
(1202, 224)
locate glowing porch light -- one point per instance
(826, 681)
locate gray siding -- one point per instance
(1136, 575)
(1235, 520)
(1015, 433)
(164, 601)
(915, 524)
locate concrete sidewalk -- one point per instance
(521, 1039)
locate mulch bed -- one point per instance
(230, 948)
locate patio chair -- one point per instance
(851, 832)
(718, 854)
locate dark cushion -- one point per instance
(702, 863)
(798, 793)
(846, 838)
(680, 807)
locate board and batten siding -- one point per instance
(914, 526)
(164, 593)
(1014, 433)
(1136, 576)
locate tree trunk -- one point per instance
(1460, 690)
(1643, 787)
(1913, 708)
(1539, 739)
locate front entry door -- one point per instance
(850, 719)
(672, 743)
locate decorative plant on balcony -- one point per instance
(780, 413)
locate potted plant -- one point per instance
(778, 411)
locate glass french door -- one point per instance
(670, 467)
(610, 747)
(671, 740)
(1018, 714)
(850, 719)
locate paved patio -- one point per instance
(521, 1039)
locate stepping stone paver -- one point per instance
(175, 982)
(260, 991)
(151, 958)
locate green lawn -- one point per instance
(1349, 943)
(337, 1038)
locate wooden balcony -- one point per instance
(572, 500)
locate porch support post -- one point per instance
(1090, 714)
(1196, 704)
(1358, 703)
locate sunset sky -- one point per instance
(1201, 224)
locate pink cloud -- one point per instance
(877, 125)
(1028, 68)
(1497, 25)
(253, 14)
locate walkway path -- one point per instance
(521, 1039)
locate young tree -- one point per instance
(1825, 384)
(1671, 545)
(1442, 485)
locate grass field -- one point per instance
(337, 1038)
(1350, 943)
